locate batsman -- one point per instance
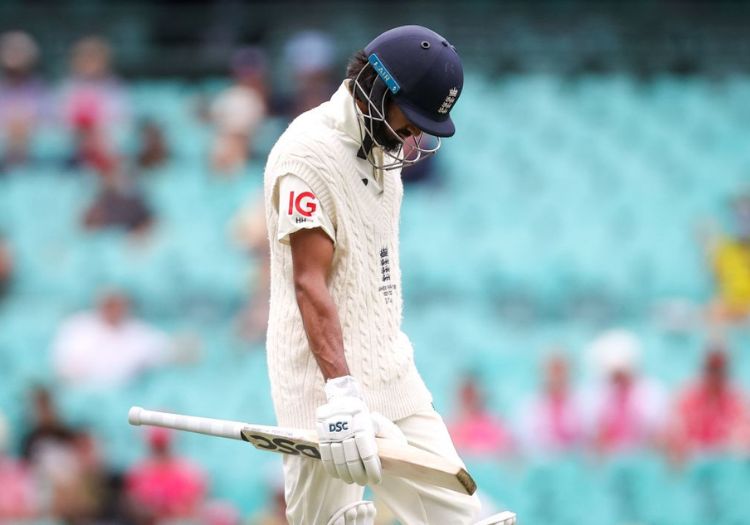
(337, 358)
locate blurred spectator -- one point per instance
(79, 481)
(712, 413)
(6, 267)
(19, 494)
(730, 260)
(239, 111)
(152, 148)
(108, 347)
(22, 95)
(47, 430)
(249, 231)
(93, 104)
(164, 486)
(118, 204)
(475, 430)
(64, 460)
(553, 421)
(627, 411)
(310, 55)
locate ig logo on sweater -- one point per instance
(304, 203)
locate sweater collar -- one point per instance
(348, 120)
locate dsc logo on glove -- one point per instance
(339, 426)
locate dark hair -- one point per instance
(357, 63)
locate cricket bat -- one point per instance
(399, 460)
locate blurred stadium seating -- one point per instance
(556, 193)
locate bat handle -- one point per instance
(202, 425)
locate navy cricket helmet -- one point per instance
(423, 73)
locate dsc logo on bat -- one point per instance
(282, 445)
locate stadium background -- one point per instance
(596, 141)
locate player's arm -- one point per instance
(312, 257)
(344, 425)
(346, 428)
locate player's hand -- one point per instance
(347, 435)
(387, 429)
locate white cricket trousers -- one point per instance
(312, 496)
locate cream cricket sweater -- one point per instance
(320, 147)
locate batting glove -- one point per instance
(387, 429)
(347, 435)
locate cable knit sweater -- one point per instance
(320, 147)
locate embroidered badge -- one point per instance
(447, 104)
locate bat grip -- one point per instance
(201, 425)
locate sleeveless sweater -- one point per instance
(320, 147)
